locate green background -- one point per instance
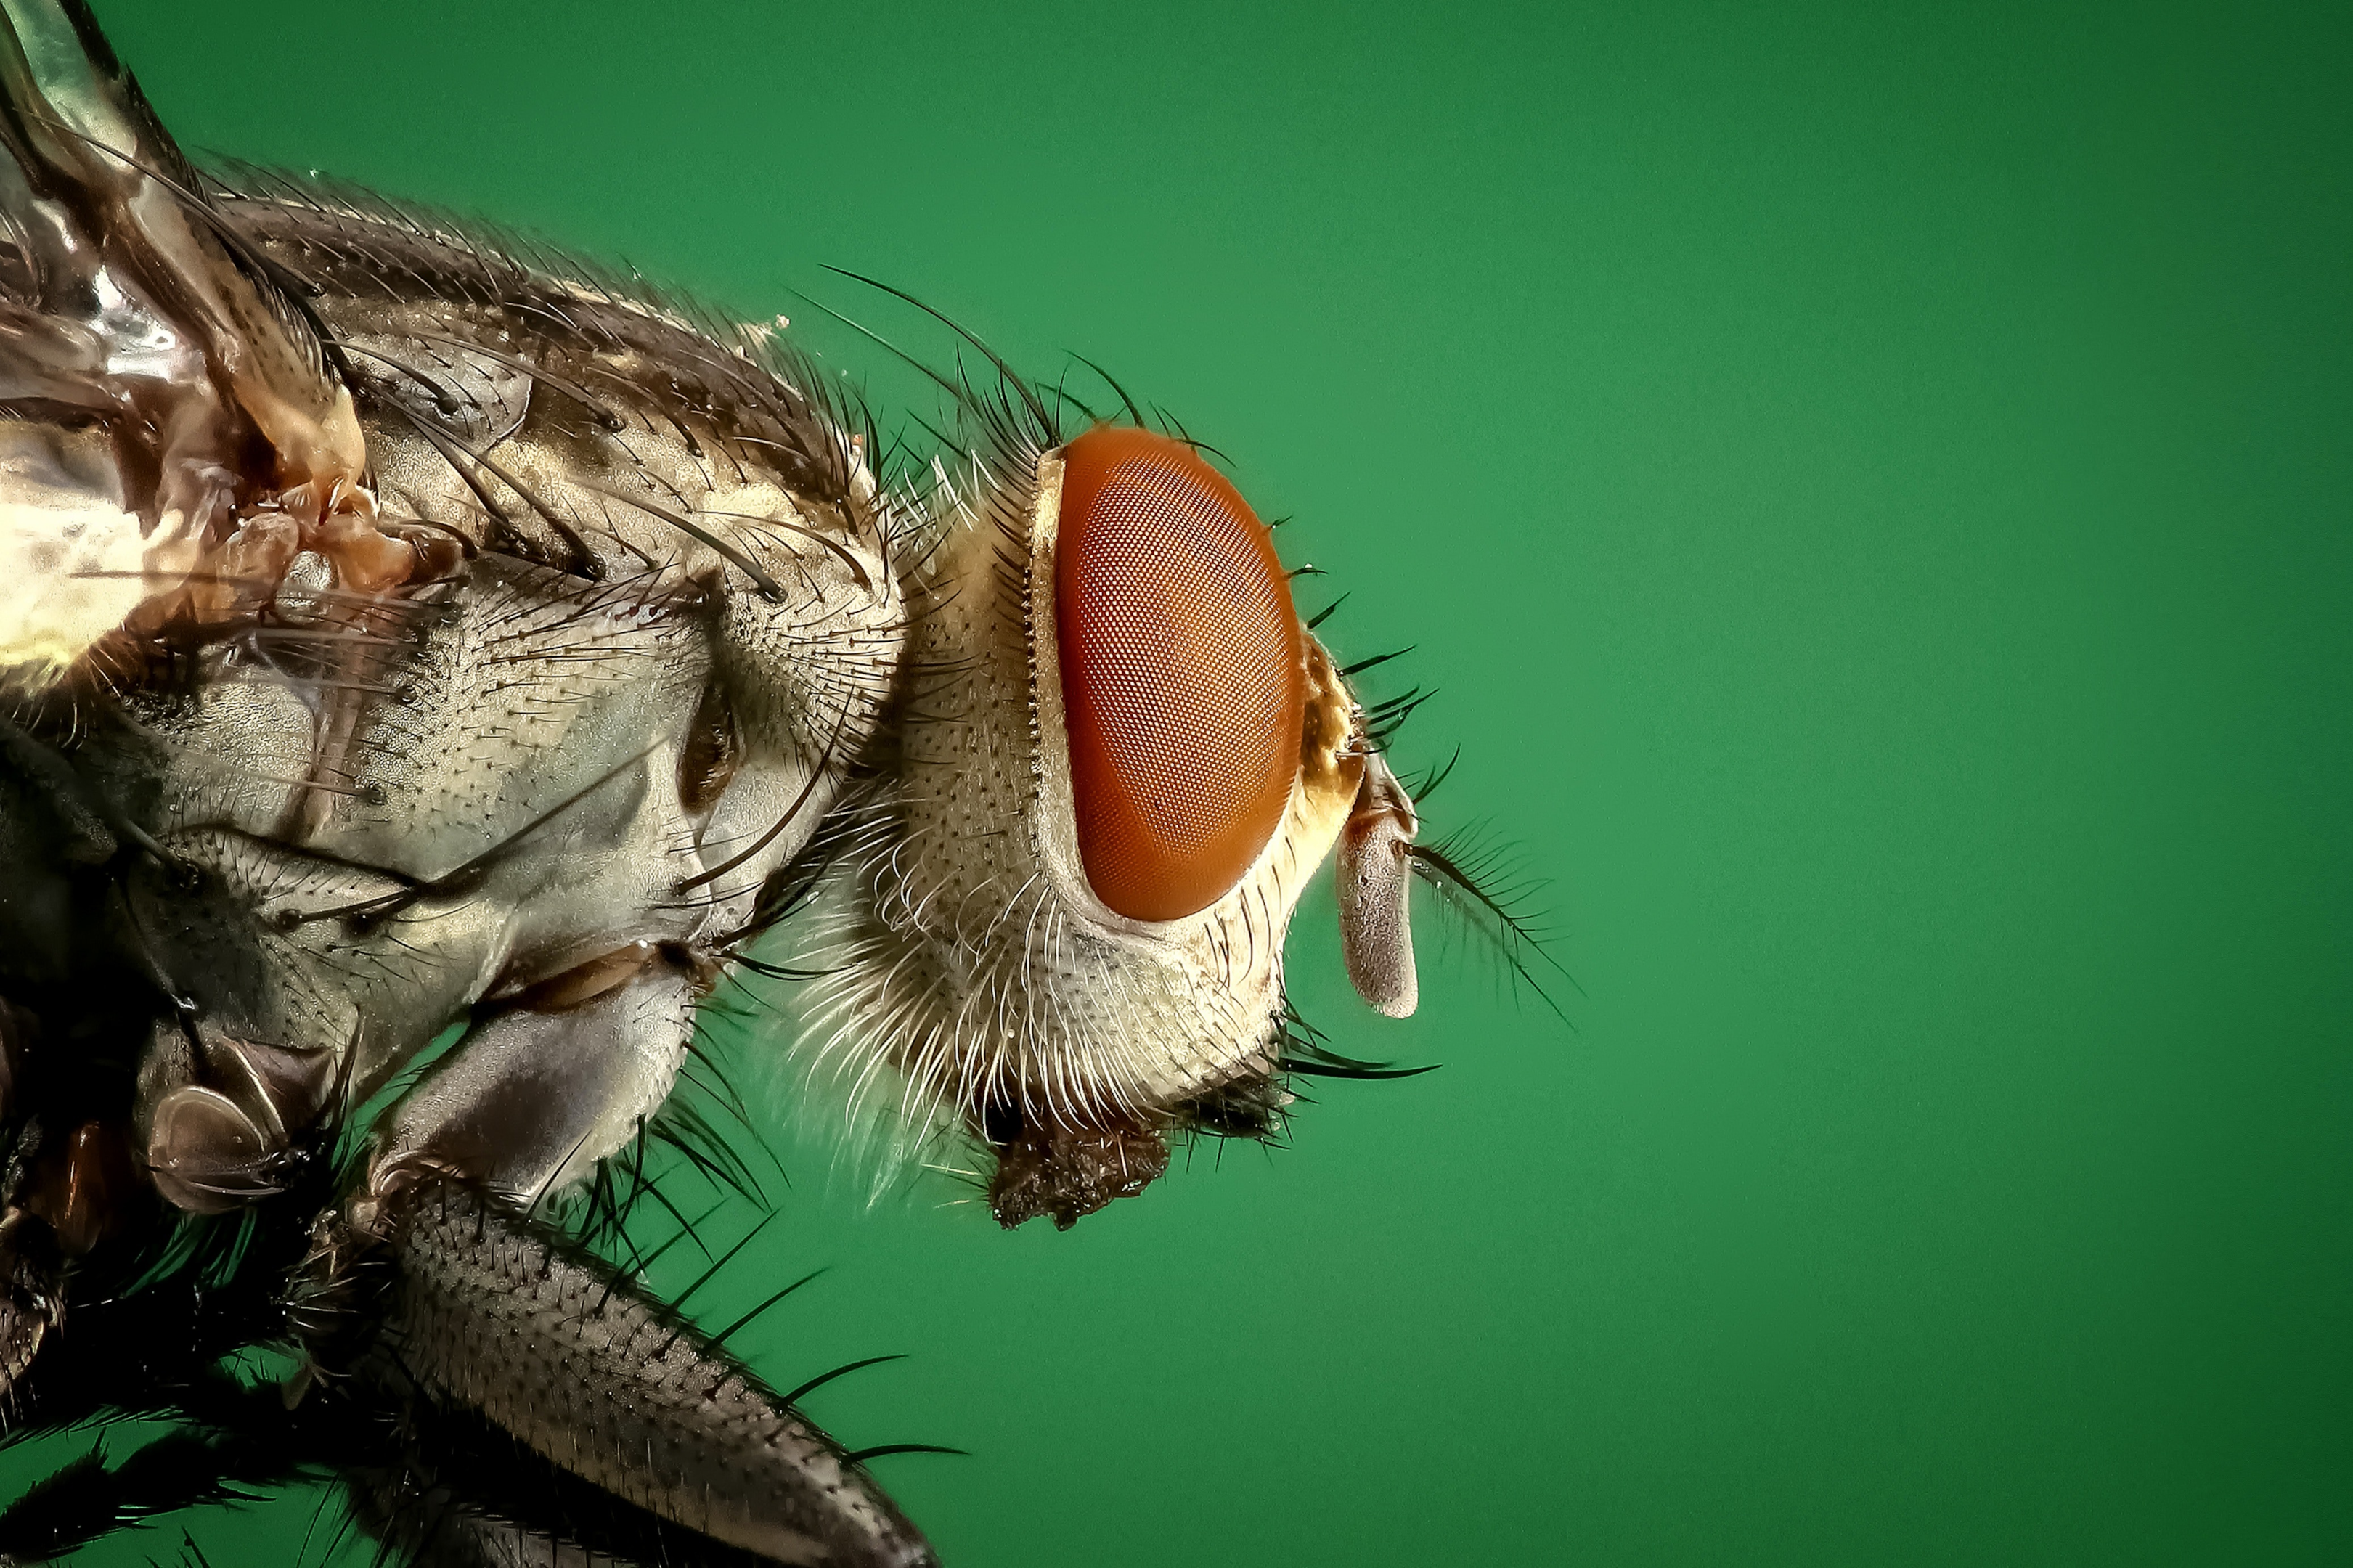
(1872, 487)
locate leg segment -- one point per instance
(487, 1317)
(534, 1097)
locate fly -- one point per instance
(397, 637)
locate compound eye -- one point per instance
(1183, 683)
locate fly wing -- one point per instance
(160, 382)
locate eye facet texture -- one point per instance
(1183, 684)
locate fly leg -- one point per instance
(489, 1324)
(534, 1096)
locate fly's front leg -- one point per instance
(535, 1095)
(485, 1316)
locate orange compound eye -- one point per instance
(1182, 678)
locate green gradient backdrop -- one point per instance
(1873, 486)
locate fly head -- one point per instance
(1121, 759)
